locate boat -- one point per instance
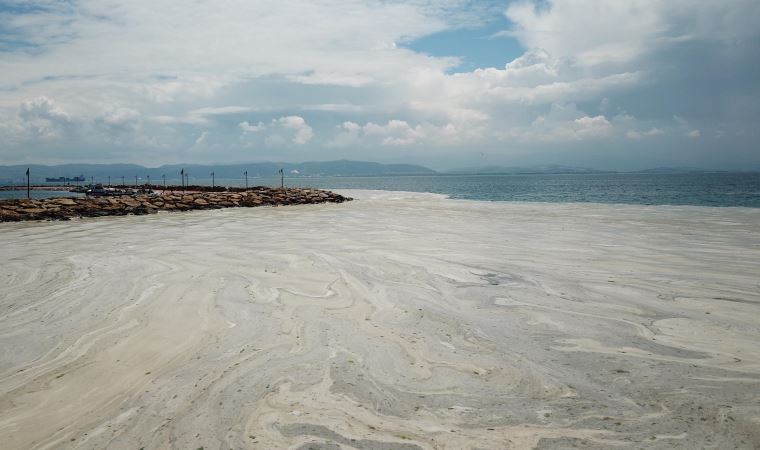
(99, 191)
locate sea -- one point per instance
(700, 189)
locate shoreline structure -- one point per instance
(172, 198)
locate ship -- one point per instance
(64, 179)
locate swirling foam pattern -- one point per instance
(398, 321)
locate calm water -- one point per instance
(714, 189)
(719, 189)
(37, 194)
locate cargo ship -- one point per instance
(64, 179)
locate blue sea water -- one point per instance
(37, 194)
(702, 189)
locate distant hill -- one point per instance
(510, 170)
(675, 170)
(15, 174)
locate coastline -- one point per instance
(401, 320)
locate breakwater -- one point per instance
(67, 208)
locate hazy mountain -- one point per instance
(538, 169)
(674, 170)
(266, 169)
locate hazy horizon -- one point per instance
(421, 165)
(623, 86)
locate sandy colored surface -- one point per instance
(398, 321)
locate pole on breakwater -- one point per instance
(92, 180)
(122, 180)
(148, 180)
(109, 180)
(246, 180)
(28, 185)
(212, 181)
(282, 179)
(135, 180)
(164, 177)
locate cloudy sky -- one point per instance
(610, 84)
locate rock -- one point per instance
(31, 210)
(64, 201)
(65, 208)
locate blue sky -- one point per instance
(478, 46)
(620, 85)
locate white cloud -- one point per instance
(202, 139)
(594, 32)
(202, 115)
(43, 118)
(566, 123)
(396, 133)
(147, 76)
(588, 31)
(296, 126)
(250, 128)
(302, 131)
(652, 132)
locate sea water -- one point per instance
(702, 189)
(37, 194)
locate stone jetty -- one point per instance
(66, 208)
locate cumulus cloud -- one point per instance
(563, 123)
(153, 77)
(300, 132)
(43, 118)
(251, 128)
(202, 115)
(395, 133)
(593, 32)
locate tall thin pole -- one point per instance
(148, 180)
(246, 180)
(122, 180)
(109, 180)
(164, 177)
(28, 185)
(92, 180)
(182, 178)
(282, 179)
(135, 180)
(212, 181)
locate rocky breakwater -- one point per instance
(67, 208)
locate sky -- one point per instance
(626, 84)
